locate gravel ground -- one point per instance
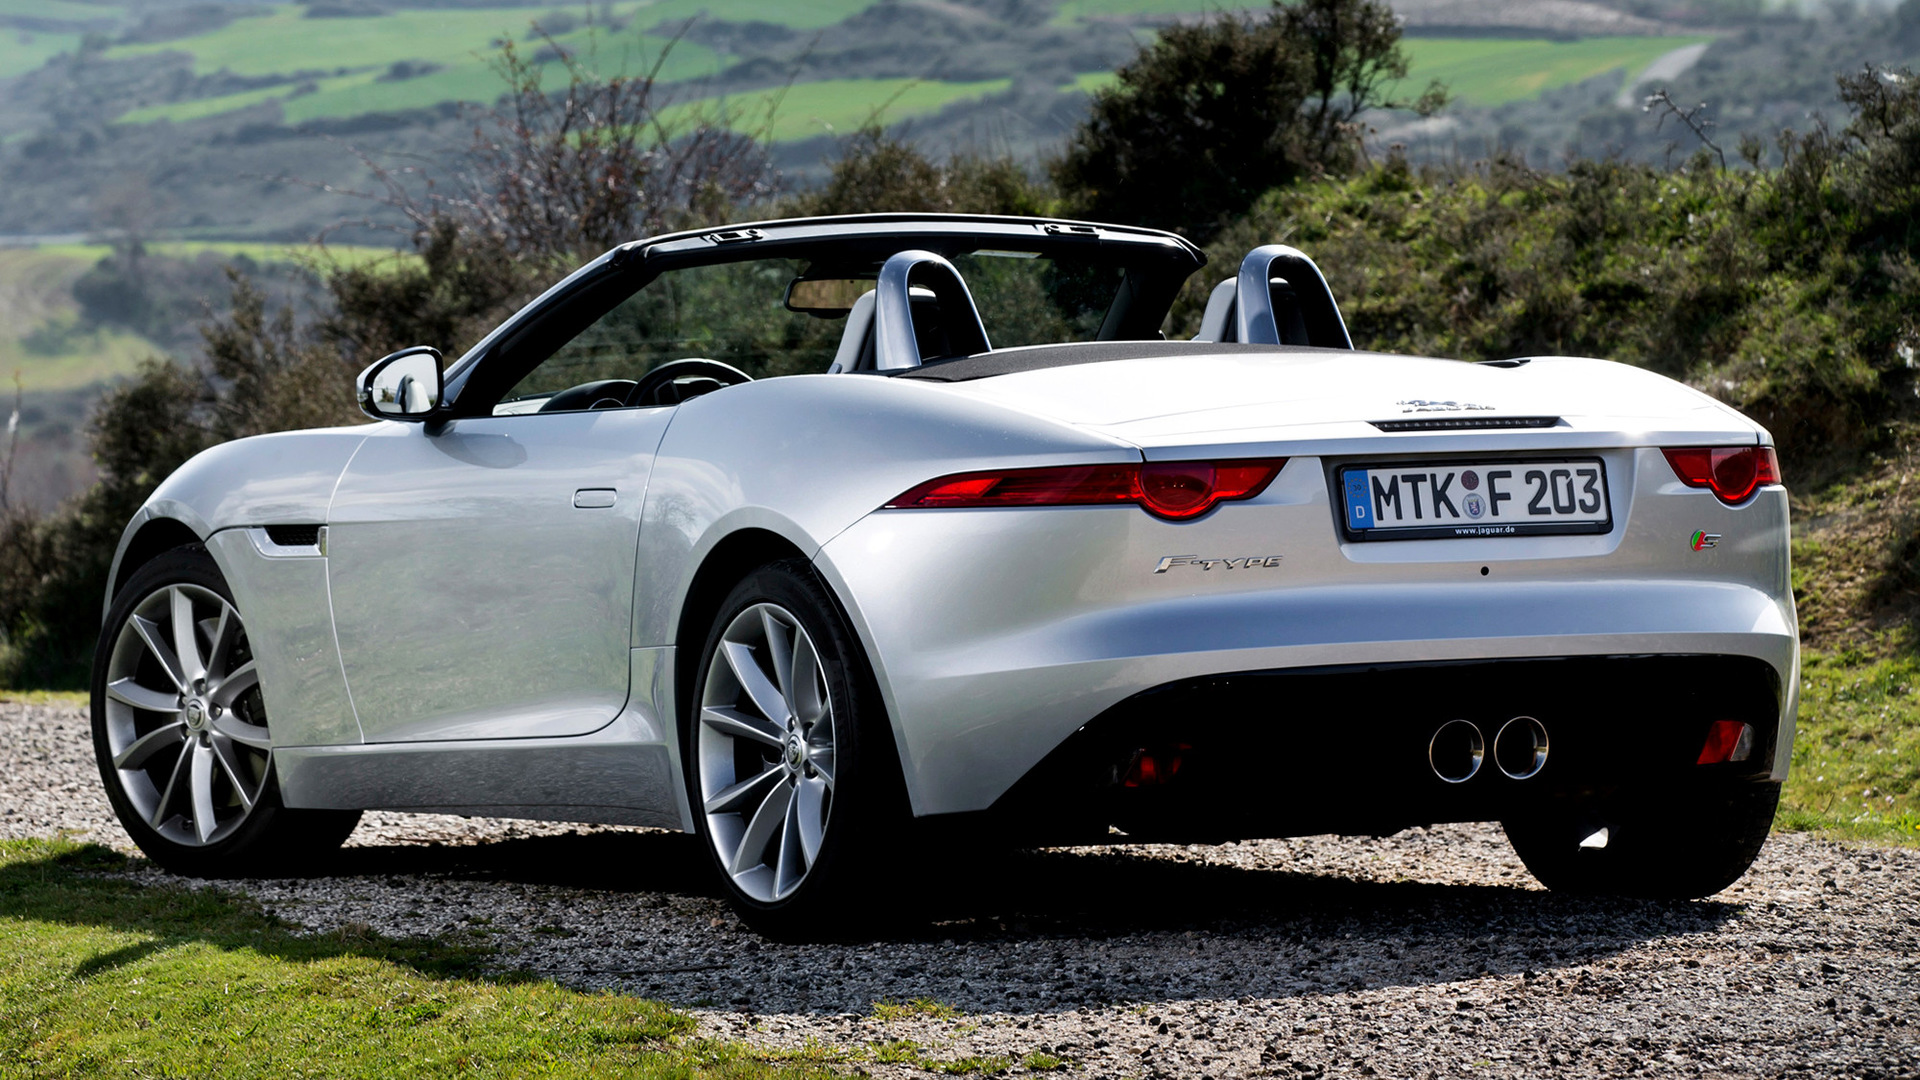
(1426, 954)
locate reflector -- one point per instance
(1150, 769)
(1727, 740)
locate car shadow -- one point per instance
(1052, 929)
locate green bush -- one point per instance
(1791, 293)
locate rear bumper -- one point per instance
(997, 634)
(1347, 749)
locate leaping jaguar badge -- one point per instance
(1701, 541)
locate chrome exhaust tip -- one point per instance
(1456, 751)
(1520, 747)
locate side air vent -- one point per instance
(1466, 423)
(294, 535)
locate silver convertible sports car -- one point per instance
(821, 537)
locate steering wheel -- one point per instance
(599, 394)
(678, 380)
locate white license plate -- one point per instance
(1429, 500)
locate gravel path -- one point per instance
(1426, 954)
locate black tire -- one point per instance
(269, 838)
(868, 807)
(1660, 846)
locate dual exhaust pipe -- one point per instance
(1457, 749)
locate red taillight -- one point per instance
(1727, 740)
(1168, 489)
(1731, 472)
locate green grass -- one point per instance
(1094, 81)
(889, 1011)
(258, 251)
(284, 41)
(1072, 11)
(22, 51)
(798, 14)
(41, 336)
(1492, 71)
(67, 699)
(1856, 756)
(346, 58)
(102, 977)
(66, 10)
(835, 106)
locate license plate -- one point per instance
(1430, 501)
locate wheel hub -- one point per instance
(195, 714)
(796, 753)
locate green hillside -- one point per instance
(1493, 71)
(350, 62)
(22, 51)
(40, 333)
(337, 67)
(831, 106)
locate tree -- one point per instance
(1211, 115)
(876, 173)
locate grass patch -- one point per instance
(66, 699)
(1039, 1062)
(64, 10)
(1493, 71)
(22, 51)
(342, 61)
(832, 106)
(1856, 756)
(1072, 11)
(888, 1011)
(99, 976)
(797, 14)
(40, 332)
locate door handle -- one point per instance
(593, 498)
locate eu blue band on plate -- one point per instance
(1359, 504)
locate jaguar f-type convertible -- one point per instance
(839, 541)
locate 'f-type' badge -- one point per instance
(1250, 562)
(1701, 541)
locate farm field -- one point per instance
(41, 334)
(349, 62)
(1494, 71)
(22, 51)
(339, 67)
(837, 106)
(42, 339)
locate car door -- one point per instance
(482, 574)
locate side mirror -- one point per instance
(402, 386)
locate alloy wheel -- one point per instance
(185, 724)
(766, 752)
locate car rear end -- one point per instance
(1582, 612)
